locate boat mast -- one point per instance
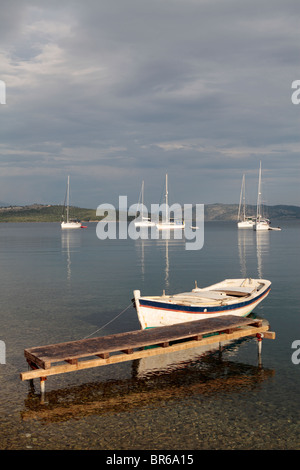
(68, 197)
(166, 197)
(142, 199)
(244, 198)
(258, 214)
(242, 195)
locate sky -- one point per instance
(114, 92)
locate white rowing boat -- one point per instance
(229, 297)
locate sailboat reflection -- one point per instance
(164, 245)
(252, 246)
(245, 249)
(70, 242)
(262, 249)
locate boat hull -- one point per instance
(261, 226)
(72, 225)
(170, 226)
(144, 224)
(246, 224)
(153, 313)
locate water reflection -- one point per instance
(208, 377)
(163, 245)
(252, 245)
(262, 249)
(70, 242)
(245, 248)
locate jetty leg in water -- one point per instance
(42, 383)
(259, 337)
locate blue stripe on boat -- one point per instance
(187, 309)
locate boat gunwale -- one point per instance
(147, 303)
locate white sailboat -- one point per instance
(261, 223)
(167, 223)
(143, 221)
(68, 223)
(243, 220)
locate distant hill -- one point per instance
(43, 213)
(229, 212)
(212, 212)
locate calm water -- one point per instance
(58, 287)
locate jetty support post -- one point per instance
(43, 388)
(33, 366)
(259, 337)
(42, 383)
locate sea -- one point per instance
(59, 286)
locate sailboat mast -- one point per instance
(242, 195)
(258, 214)
(68, 198)
(166, 197)
(142, 200)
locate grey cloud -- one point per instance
(199, 89)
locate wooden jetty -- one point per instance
(71, 356)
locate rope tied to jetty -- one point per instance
(110, 321)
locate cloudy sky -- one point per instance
(113, 92)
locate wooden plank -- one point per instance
(32, 359)
(44, 356)
(72, 361)
(197, 337)
(90, 363)
(103, 356)
(269, 335)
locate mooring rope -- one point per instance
(113, 319)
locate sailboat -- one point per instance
(68, 223)
(168, 224)
(143, 221)
(261, 223)
(243, 221)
